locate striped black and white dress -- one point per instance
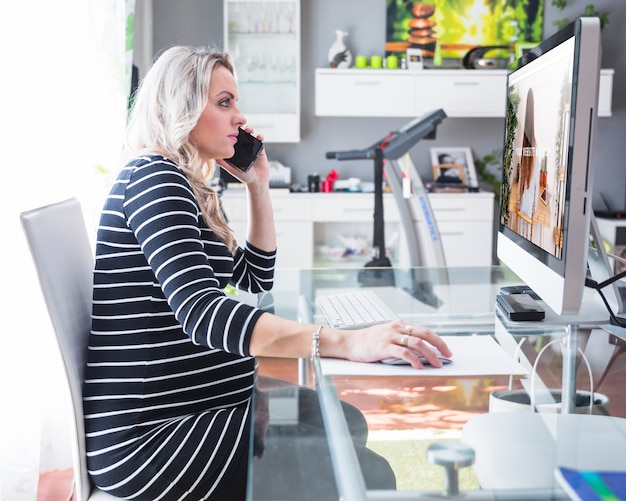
(168, 386)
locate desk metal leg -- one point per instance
(305, 315)
(348, 474)
(303, 371)
(570, 351)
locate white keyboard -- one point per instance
(355, 309)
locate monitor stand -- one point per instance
(593, 310)
(593, 313)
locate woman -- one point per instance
(171, 366)
(528, 178)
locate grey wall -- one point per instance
(199, 22)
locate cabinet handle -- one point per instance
(368, 82)
(449, 209)
(452, 233)
(466, 83)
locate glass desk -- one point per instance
(420, 423)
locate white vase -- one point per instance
(338, 55)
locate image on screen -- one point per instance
(536, 149)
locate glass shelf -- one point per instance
(262, 36)
(264, 41)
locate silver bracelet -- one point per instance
(315, 345)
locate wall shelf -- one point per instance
(406, 93)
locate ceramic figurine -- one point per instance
(339, 56)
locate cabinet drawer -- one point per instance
(285, 207)
(234, 206)
(466, 244)
(352, 208)
(276, 127)
(294, 242)
(364, 93)
(291, 208)
(462, 208)
(462, 95)
(239, 227)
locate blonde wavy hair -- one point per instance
(166, 108)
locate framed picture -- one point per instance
(450, 28)
(449, 173)
(460, 156)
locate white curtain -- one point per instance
(64, 80)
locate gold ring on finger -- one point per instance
(404, 341)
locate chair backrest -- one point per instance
(58, 241)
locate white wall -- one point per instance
(199, 22)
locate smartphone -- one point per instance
(247, 148)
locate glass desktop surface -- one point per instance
(515, 450)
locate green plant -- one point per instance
(590, 11)
(495, 169)
(511, 128)
(489, 171)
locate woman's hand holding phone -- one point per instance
(249, 150)
(260, 232)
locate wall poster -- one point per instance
(453, 27)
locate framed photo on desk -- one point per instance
(462, 156)
(448, 171)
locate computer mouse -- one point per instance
(423, 359)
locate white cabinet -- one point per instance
(461, 93)
(352, 94)
(293, 223)
(465, 224)
(308, 224)
(406, 93)
(264, 40)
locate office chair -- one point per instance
(63, 257)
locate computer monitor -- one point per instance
(545, 203)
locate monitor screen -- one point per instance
(546, 189)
